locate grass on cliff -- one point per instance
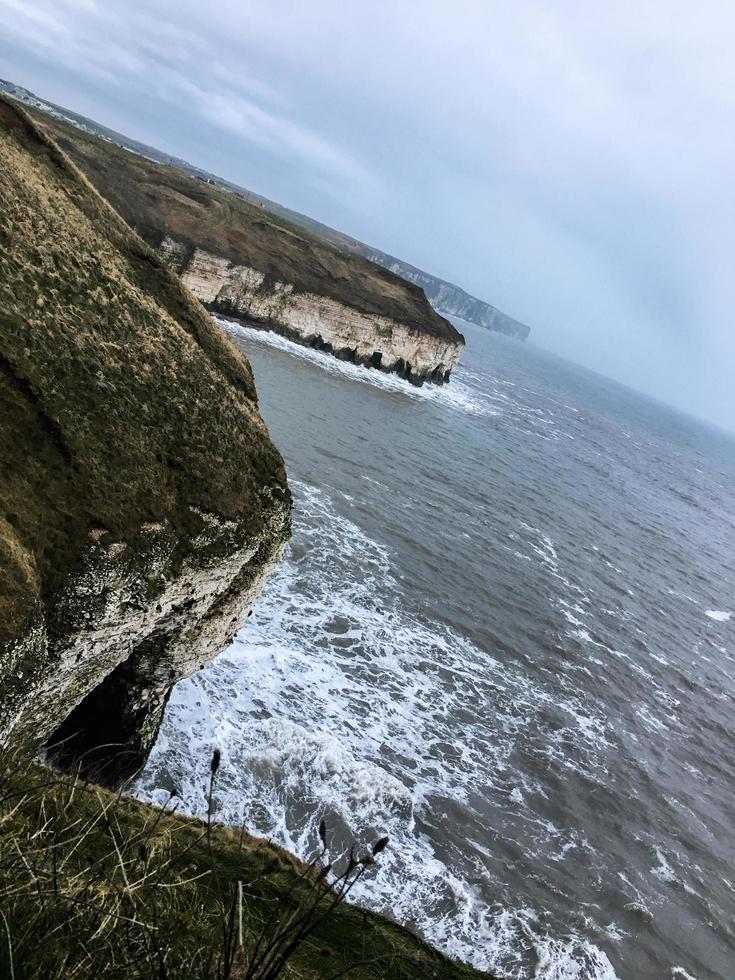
(97, 885)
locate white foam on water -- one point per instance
(554, 962)
(663, 870)
(649, 720)
(455, 395)
(683, 595)
(718, 615)
(337, 702)
(543, 547)
(659, 659)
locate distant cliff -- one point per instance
(449, 299)
(312, 318)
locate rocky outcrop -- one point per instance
(319, 321)
(449, 299)
(142, 503)
(244, 261)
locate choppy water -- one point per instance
(502, 636)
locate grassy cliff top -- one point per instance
(158, 200)
(94, 885)
(121, 402)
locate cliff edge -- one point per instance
(142, 503)
(244, 261)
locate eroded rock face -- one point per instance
(142, 503)
(95, 673)
(313, 319)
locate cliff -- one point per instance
(245, 262)
(142, 503)
(447, 298)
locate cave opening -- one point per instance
(347, 354)
(107, 736)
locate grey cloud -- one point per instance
(572, 163)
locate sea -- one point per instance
(503, 634)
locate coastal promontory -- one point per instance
(246, 262)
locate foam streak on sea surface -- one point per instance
(501, 636)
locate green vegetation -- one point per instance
(96, 885)
(158, 200)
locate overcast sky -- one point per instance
(572, 162)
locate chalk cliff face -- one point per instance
(244, 261)
(142, 503)
(450, 299)
(319, 321)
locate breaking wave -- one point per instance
(455, 395)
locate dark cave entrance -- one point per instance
(107, 736)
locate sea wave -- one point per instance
(719, 615)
